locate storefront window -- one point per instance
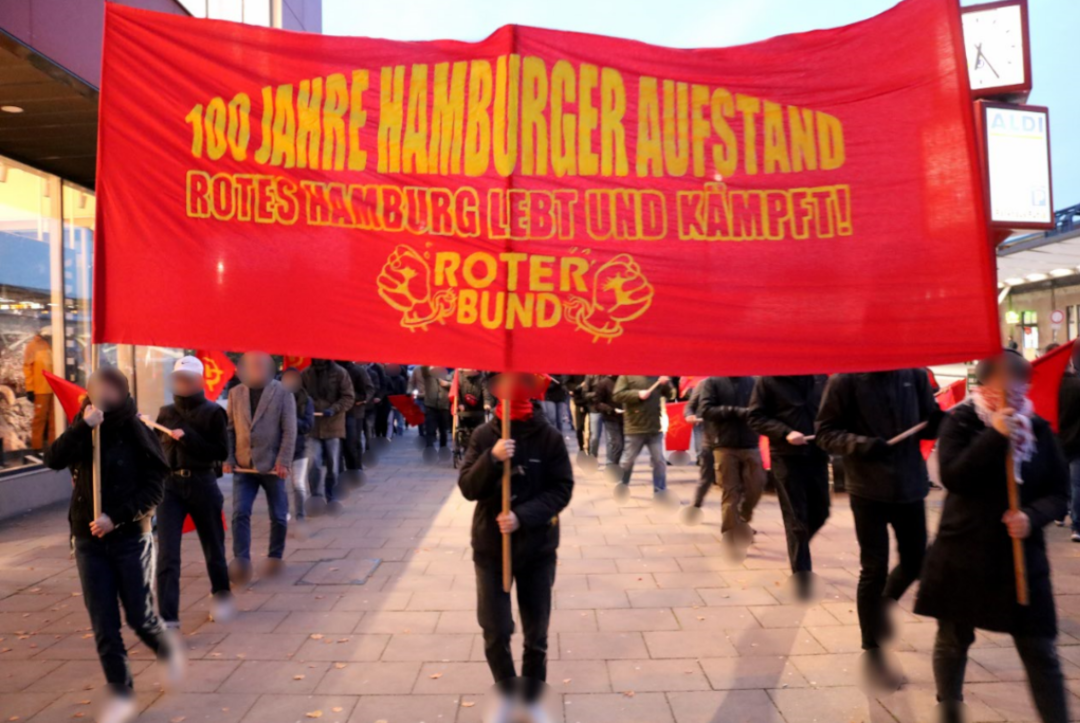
(152, 367)
(29, 296)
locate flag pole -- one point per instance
(1019, 566)
(95, 435)
(506, 495)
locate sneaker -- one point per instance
(175, 661)
(240, 571)
(223, 608)
(118, 709)
(1060, 523)
(1076, 537)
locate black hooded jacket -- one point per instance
(723, 403)
(133, 471)
(205, 424)
(785, 404)
(541, 486)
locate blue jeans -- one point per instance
(245, 489)
(323, 453)
(655, 443)
(555, 411)
(115, 571)
(1074, 491)
(596, 430)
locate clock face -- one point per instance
(994, 41)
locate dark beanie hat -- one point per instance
(113, 377)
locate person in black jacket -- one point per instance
(292, 380)
(784, 408)
(706, 460)
(723, 406)
(886, 485)
(199, 443)
(602, 397)
(114, 552)
(396, 384)
(968, 580)
(1069, 436)
(363, 391)
(542, 483)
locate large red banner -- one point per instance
(545, 200)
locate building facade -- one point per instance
(50, 58)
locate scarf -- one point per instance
(987, 401)
(520, 410)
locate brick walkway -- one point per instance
(651, 624)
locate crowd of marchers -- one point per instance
(298, 436)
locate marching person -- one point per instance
(417, 389)
(887, 485)
(331, 390)
(1069, 436)
(436, 404)
(198, 444)
(724, 407)
(292, 380)
(611, 416)
(542, 483)
(114, 553)
(377, 375)
(596, 419)
(363, 392)
(262, 438)
(640, 398)
(578, 408)
(396, 384)
(474, 399)
(706, 460)
(556, 401)
(783, 408)
(968, 579)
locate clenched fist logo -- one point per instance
(405, 284)
(620, 293)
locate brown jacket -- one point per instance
(332, 391)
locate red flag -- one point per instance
(217, 370)
(1046, 374)
(70, 394)
(408, 408)
(299, 363)
(455, 390)
(189, 524)
(687, 384)
(947, 398)
(766, 455)
(679, 430)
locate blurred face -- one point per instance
(393, 369)
(291, 380)
(104, 395)
(255, 369)
(185, 384)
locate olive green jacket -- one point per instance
(641, 416)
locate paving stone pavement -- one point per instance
(651, 624)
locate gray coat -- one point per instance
(270, 437)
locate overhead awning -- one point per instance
(48, 116)
(1039, 258)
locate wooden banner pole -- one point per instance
(1019, 566)
(95, 437)
(507, 468)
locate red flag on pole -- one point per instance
(1046, 374)
(455, 389)
(217, 370)
(679, 430)
(408, 408)
(69, 394)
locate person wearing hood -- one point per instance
(114, 552)
(262, 438)
(332, 391)
(542, 483)
(305, 422)
(887, 485)
(199, 442)
(783, 409)
(968, 580)
(363, 392)
(37, 359)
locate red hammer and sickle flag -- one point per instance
(69, 394)
(217, 370)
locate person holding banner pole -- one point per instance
(195, 445)
(723, 406)
(876, 420)
(783, 409)
(969, 581)
(262, 438)
(114, 551)
(542, 483)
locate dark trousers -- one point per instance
(1039, 656)
(245, 489)
(351, 449)
(876, 582)
(200, 497)
(802, 484)
(438, 423)
(577, 415)
(382, 418)
(120, 568)
(325, 456)
(741, 475)
(706, 475)
(615, 441)
(534, 581)
(369, 428)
